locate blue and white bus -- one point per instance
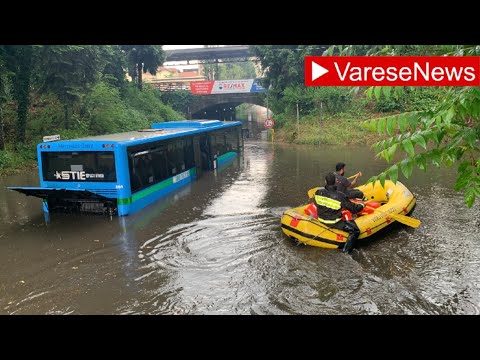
(124, 172)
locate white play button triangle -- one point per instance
(317, 71)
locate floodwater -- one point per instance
(216, 247)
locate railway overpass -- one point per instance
(210, 55)
(204, 106)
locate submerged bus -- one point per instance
(124, 172)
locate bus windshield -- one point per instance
(98, 166)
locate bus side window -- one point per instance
(135, 181)
(159, 164)
(145, 169)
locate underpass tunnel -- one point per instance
(223, 112)
(233, 111)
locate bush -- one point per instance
(334, 99)
(45, 118)
(105, 109)
(6, 159)
(15, 159)
(310, 99)
(109, 113)
(389, 105)
(422, 98)
(148, 103)
(178, 100)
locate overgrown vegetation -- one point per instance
(440, 130)
(74, 90)
(431, 126)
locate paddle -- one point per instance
(407, 220)
(312, 192)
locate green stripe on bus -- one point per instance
(221, 157)
(150, 190)
(124, 201)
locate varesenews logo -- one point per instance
(392, 70)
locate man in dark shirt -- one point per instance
(344, 185)
(329, 203)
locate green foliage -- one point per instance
(5, 80)
(68, 71)
(309, 99)
(178, 100)
(107, 113)
(5, 91)
(71, 90)
(7, 159)
(148, 103)
(13, 159)
(113, 64)
(18, 61)
(236, 71)
(143, 59)
(46, 117)
(283, 65)
(210, 71)
(422, 98)
(441, 125)
(332, 130)
(389, 104)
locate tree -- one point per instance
(448, 132)
(178, 100)
(114, 64)
(5, 86)
(210, 71)
(68, 71)
(18, 60)
(283, 65)
(236, 71)
(142, 59)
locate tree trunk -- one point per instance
(140, 72)
(22, 91)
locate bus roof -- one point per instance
(163, 130)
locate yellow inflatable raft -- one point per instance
(396, 201)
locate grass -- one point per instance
(340, 129)
(13, 161)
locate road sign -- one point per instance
(269, 123)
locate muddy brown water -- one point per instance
(216, 247)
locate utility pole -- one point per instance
(298, 121)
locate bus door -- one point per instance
(205, 152)
(197, 155)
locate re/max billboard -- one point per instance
(226, 87)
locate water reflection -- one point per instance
(216, 247)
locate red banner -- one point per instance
(392, 71)
(201, 87)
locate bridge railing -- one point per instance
(171, 86)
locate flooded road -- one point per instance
(216, 247)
